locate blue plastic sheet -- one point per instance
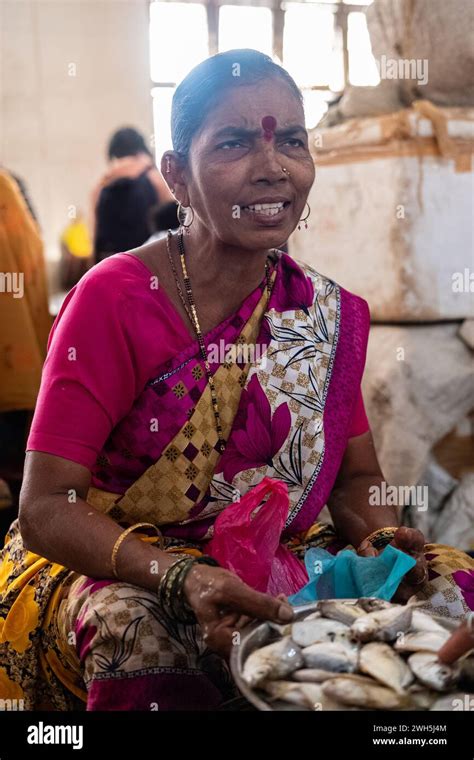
(348, 576)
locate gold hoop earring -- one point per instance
(305, 217)
(183, 208)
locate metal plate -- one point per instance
(257, 634)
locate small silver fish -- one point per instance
(294, 693)
(307, 632)
(372, 603)
(433, 673)
(312, 616)
(305, 695)
(422, 621)
(421, 641)
(273, 661)
(344, 612)
(312, 675)
(382, 663)
(421, 698)
(382, 625)
(283, 629)
(363, 692)
(313, 695)
(330, 656)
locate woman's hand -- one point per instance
(223, 604)
(412, 542)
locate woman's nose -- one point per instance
(268, 165)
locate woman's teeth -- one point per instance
(267, 209)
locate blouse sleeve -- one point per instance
(89, 381)
(359, 423)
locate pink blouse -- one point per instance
(112, 334)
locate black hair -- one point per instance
(165, 217)
(209, 81)
(126, 142)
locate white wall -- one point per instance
(54, 124)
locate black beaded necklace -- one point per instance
(190, 307)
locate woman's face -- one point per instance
(236, 161)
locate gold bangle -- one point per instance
(380, 537)
(124, 535)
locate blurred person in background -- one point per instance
(24, 326)
(163, 219)
(127, 194)
(76, 252)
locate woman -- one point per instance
(128, 194)
(136, 425)
(24, 326)
(24, 316)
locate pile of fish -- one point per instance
(355, 655)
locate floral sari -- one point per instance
(70, 642)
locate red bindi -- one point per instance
(268, 125)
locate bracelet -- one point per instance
(380, 538)
(171, 588)
(124, 535)
(167, 587)
(423, 580)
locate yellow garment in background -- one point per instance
(25, 321)
(77, 240)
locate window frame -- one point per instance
(342, 10)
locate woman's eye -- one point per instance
(299, 143)
(231, 143)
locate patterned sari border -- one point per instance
(327, 381)
(346, 374)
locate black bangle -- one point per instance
(206, 560)
(171, 588)
(183, 607)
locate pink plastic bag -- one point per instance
(246, 540)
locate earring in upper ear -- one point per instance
(168, 171)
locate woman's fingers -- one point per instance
(412, 542)
(221, 632)
(220, 636)
(222, 603)
(243, 621)
(403, 593)
(241, 597)
(409, 540)
(210, 590)
(366, 549)
(418, 573)
(234, 601)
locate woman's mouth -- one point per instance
(267, 210)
